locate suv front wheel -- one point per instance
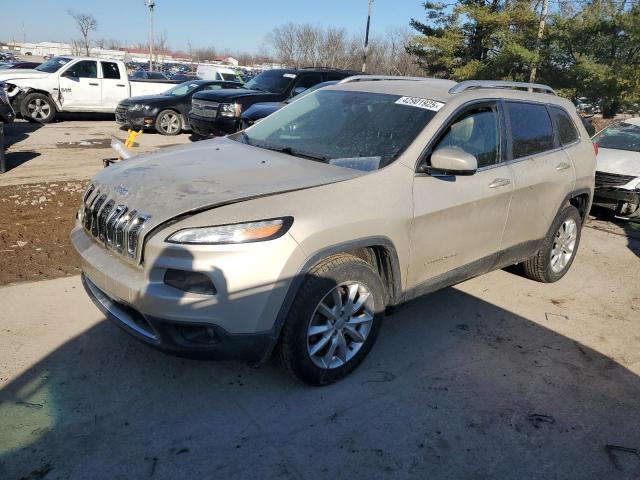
(334, 320)
(558, 250)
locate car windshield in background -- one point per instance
(274, 81)
(182, 89)
(230, 77)
(341, 125)
(53, 65)
(621, 136)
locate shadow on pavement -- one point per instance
(454, 388)
(14, 133)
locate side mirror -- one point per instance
(452, 161)
(297, 91)
(67, 73)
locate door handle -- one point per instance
(499, 182)
(94, 84)
(563, 166)
(119, 84)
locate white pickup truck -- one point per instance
(74, 84)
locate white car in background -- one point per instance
(618, 168)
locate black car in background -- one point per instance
(166, 112)
(258, 111)
(219, 112)
(146, 75)
(7, 114)
(20, 65)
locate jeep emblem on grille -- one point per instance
(122, 190)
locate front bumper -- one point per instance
(137, 119)
(241, 320)
(625, 202)
(210, 127)
(195, 339)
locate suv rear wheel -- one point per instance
(334, 320)
(558, 250)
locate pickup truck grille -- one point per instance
(205, 108)
(604, 179)
(117, 226)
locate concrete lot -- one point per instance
(496, 378)
(69, 149)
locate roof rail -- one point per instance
(471, 84)
(370, 78)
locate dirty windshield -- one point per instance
(330, 125)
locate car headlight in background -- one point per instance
(236, 233)
(230, 109)
(137, 107)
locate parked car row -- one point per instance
(74, 84)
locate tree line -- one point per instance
(582, 48)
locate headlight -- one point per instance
(136, 107)
(230, 109)
(235, 233)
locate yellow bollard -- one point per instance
(132, 137)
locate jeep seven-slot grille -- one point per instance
(115, 225)
(204, 108)
(604, 179)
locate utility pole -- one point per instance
(543, 18)
(151, 4)
(366, 39)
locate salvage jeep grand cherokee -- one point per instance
(298, 233)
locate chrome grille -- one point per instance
(205, 108)
(604, 179)
(114, 225)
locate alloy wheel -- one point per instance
(170, 123)
(340, 325)
(38, 109)
(564, 244)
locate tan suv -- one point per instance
(298, 233)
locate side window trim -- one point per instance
(428, 150)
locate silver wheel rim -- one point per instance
(564, 244)
(170, 123)
(340, 325)
(38, 109)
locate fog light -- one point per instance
(192, 282)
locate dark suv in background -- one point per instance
(219, 112)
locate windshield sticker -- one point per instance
(289, 75)
(420, 103)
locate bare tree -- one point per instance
(85, 23)
(160, 47)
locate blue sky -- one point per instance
(223, 24)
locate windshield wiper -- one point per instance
(294, 153)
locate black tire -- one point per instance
(35, 105)
(324, 277)
(539, 267)
(163, 128)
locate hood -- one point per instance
(229, 94)
(206, 174)
(7, 75)
(261, 110)
(621, 162)
(146, 99)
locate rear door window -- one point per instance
(110, 70)
(309, 80)
(567, 132)
(531, 129)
